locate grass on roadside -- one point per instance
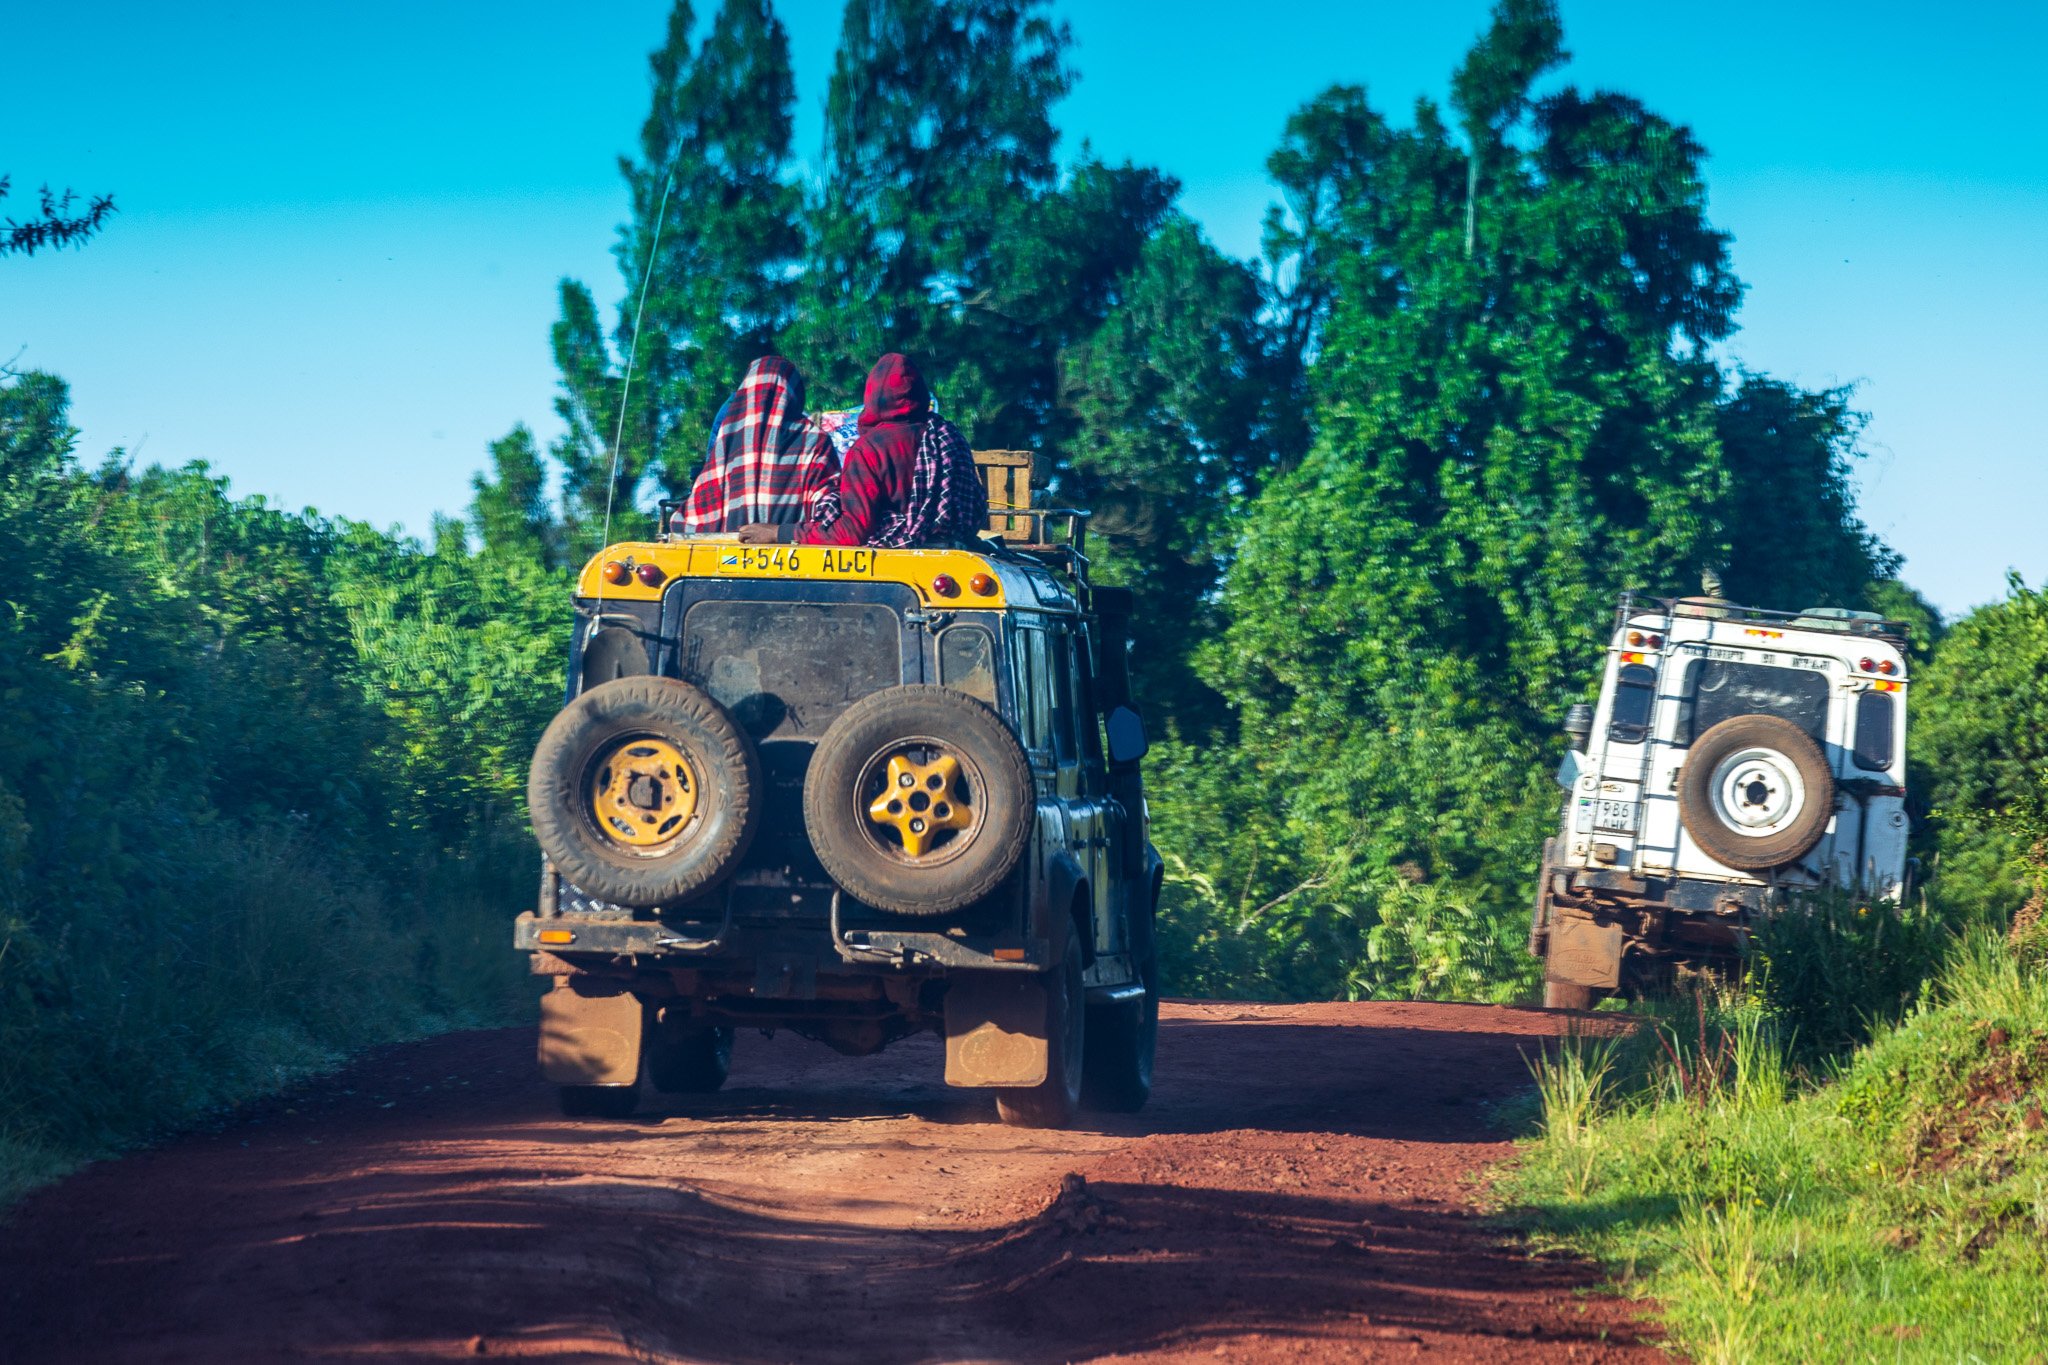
(1893, 1207)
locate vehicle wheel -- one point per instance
(598, 1101)
(1122, 1039)
(1755, 792)
(685, 1060)
(919, 800)
(1053, 1103)
(643, 791)
(1569, 995)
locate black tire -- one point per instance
(598, 1101)
(684, 1060)
(1569, 995)
(987, 788)
(1123, 1037)
(716, 807)
(1054, 1102)
(1755, 793)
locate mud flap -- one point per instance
(995, 1030)
(1582, 951)
(590, 1039)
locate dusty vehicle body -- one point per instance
(1736, 756)
(1009, 905)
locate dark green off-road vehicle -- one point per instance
(853, 793)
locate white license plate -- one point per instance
(1615, 815)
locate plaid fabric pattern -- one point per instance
(767, 462)
(948, 504)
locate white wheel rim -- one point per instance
(1757, 792)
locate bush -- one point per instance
(243, 831)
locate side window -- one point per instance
(1635, 692)
(1065, 747)
(1875, 716)
(967, 661)
(1034, 698)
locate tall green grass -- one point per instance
(1890, 1204)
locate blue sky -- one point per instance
(341, 227)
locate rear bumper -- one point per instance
(661, 943)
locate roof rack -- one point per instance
(1835, 620)
(1054, 536)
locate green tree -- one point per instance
(1516, 415)
(1979, 737)
(511, 511)
(714, 176)
(937, 130)
(1167, 398)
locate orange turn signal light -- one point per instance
(982, 585)
(557, 936)
(615, 572)
(1008, 954)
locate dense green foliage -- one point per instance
(258, 789)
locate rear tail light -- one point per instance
(1887, 667)
(650, 574)
(615, 572)
(1656, 642)
(1868, 665)
(982, 585)
(944, 586)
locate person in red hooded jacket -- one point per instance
(908, 479)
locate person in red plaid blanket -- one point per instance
(767, 461)
(909, 480)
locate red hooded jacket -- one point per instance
(875, 474)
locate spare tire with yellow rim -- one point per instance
(919, 800)
(644, 791)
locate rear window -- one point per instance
(1716, 689)
(1876, 713)
(789, 668)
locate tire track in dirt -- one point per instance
(1300, 1189)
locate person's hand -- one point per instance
(756, 534)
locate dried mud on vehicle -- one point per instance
(1301, 1188)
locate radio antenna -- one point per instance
(611, 483)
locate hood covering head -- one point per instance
(896, 392)
(767, 459)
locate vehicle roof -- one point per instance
(1022, 583)
(1836, 621)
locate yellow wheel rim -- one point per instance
(921, 801)
(643, 793)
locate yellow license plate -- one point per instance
(795, 561)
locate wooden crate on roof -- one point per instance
(1008, 476)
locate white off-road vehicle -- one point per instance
(1736, 756)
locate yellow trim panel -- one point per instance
(727, 558)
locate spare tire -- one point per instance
(919, 800)
(643, 792)
(1756, 792)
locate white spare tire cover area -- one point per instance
(1756, 792)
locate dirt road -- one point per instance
(1298, 1190)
